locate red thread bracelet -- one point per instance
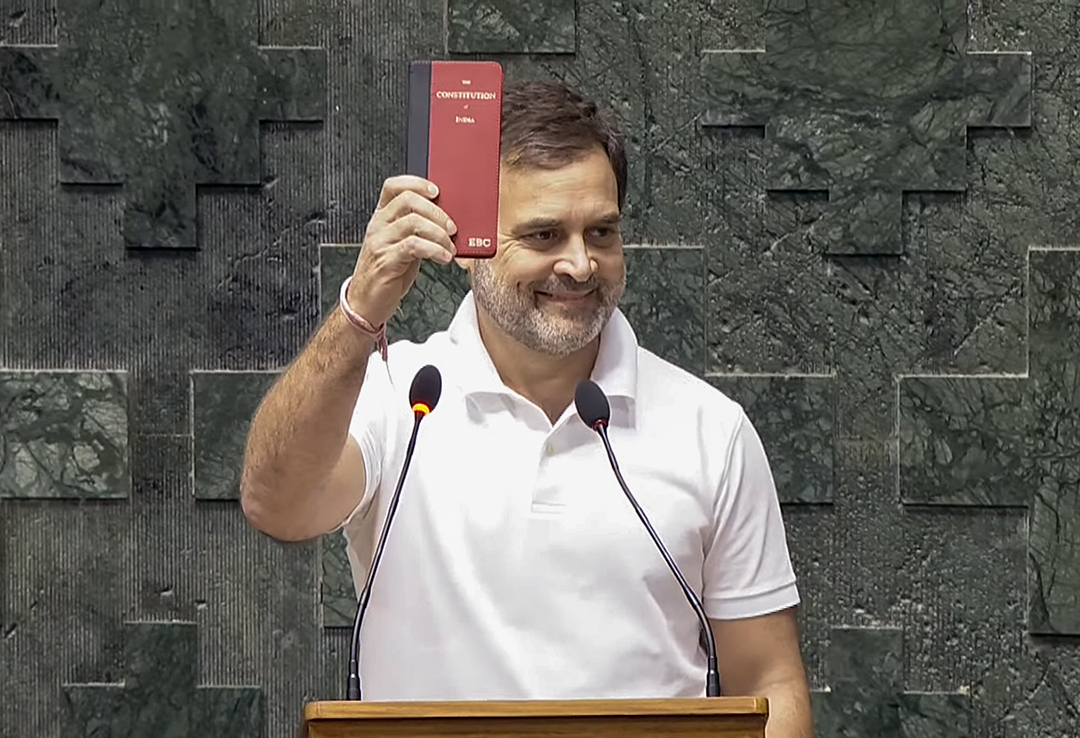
(360, 323)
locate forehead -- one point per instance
(585, 187)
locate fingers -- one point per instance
(408, 203)
(406, 228)
(421, 248)
(395, 186)
(419, 237)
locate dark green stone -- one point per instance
(665, 303)
(795, 416)
(866, 103)
(159, 697)
(338, 594)
(866, 694)
(161, 97)
(223, 404)
(512, 26)
(64, 435)
(1012, 442)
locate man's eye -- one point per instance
(542, 236)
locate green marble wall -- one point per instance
(855, 218)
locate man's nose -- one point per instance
(575, 260)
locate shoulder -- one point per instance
(674, 393)
(695, 427)
(690, 413)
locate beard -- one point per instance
(558, 330)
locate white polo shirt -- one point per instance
(516, 568)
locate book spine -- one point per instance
(419, 119)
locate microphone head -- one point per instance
(425, 390)
(592, 404)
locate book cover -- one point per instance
(455, 121)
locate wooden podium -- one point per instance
(715, 717)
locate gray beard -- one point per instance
(517, 314)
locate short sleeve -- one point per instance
(369, 426)
(747, 570)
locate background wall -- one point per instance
(862, 229)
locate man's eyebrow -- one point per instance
(543, 224)
(538, 224)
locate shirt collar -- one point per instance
(615, 370)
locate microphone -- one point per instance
(592, 406)
(423, 396)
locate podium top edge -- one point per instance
(406, 709)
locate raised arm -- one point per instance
(303, 473)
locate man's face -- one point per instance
(559, 272)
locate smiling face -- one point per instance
(559, 272)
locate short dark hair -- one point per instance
(548, 124)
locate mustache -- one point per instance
(566, 286)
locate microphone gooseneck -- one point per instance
(423, 396)
(594, 410)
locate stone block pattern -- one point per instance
(795, 418)
(512, 27)
(64, 435)
(337, 591)
(867, 696)
(951, 308)
(73, 300)
(837, 202)
(665, 302)
(1012, 442)
(223, 404)
(160, 98)
(866, 105)
(159, 694)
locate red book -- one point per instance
(455, 124)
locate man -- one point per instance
(516, 568)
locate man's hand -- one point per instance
(406, 228)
